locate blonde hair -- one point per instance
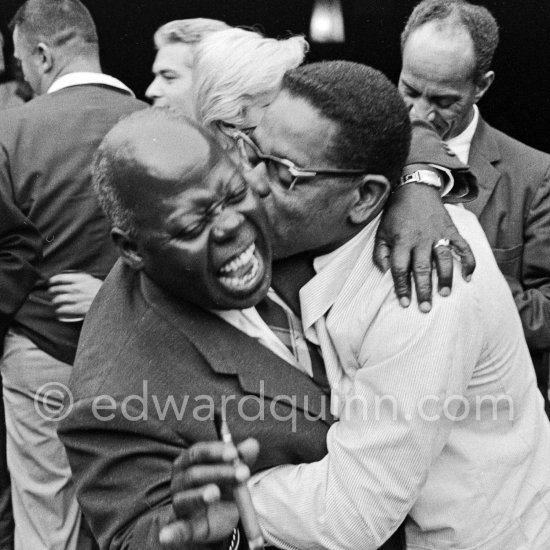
(187, 31)
(234, 68)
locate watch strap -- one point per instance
(426, 177)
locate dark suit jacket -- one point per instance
(513, 208)
(20, 255)
(46, 150)
(139, 341)
(20, 252)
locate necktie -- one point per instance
(287, 327)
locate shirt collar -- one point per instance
(332, 271)
(81, 78)
(460, 144)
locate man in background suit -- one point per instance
(447, 48)
(46, 149)
(20, 253)
(18, 249)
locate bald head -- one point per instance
(182, 211)
(153, 154)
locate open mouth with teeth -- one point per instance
(243, 273)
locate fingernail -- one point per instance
(404, 302)
(242, 473)
(210, 494)
(445, 291)
(468, 278)
(425, 307)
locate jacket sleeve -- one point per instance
(427, 148)
(121, 462)
(20, 251)
(532, 292)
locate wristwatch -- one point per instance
(427, 177)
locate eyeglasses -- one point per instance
(283, 170)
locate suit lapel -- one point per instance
(229, 351)
(484, 155)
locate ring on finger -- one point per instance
(442, 242)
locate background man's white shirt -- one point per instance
(461, 144)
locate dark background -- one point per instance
(518, 102)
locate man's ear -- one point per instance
(127, 248)
(372, 194)
(484, 84)
(45, 57)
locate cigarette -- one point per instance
(243, 500)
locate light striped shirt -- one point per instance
(441, 418)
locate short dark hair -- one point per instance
(374, 128)
(57, 23)
(476, 20)
(116, 171)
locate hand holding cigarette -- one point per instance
(243, 500)
(204, 479)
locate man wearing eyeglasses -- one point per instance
(439, 414)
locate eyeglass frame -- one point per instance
(295, 171)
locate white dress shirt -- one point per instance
(250, 322)
(417, 437)
(460, 145)
(82, 78)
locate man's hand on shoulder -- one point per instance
(416, 232)
(203, 479)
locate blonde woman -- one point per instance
(222, 76)
(236, 75)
